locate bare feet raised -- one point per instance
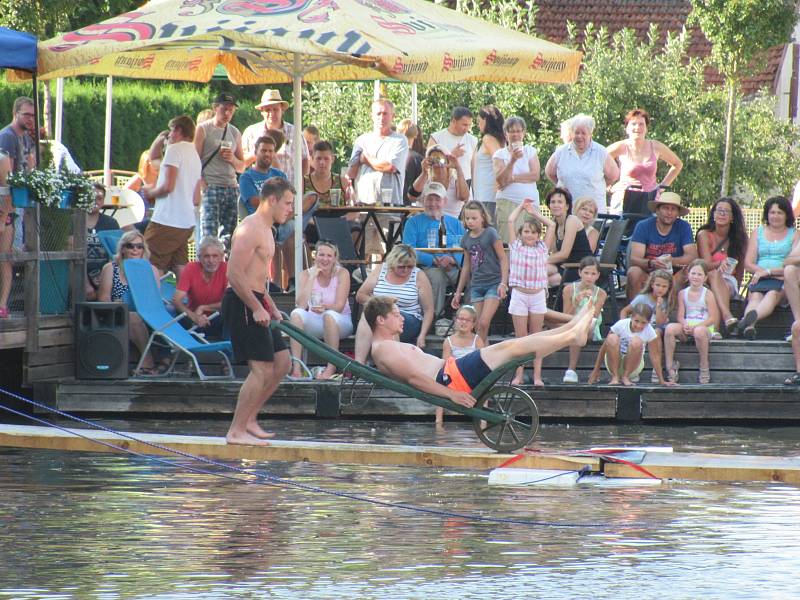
(245, 439)
(582, 325)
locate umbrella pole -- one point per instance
(107, 141)
(59, 125)
(297, 99)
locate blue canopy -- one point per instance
(17, 50)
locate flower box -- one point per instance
(21, 197)
(67, 199)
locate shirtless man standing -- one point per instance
(455, 379)
(247, 310)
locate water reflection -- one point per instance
(79, 525)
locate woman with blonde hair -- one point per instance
(400, 278)
(323, 309)
(114, 288)
(586, 210)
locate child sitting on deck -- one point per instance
(657, 294)
(624, 349)
(461, 343)
(575, 296)
(697, 316)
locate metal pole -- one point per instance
(297, 99)
(376, 89)
(414, 107)
(59, 109)
(107, 144)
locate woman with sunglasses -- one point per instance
(722, 243)
(400, 278)
(323, 309)
(114, 288)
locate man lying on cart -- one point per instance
(456, 378)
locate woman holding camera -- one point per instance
(441, 167)
(516, 170)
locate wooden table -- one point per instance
(371, 212)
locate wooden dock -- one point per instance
(665, 465)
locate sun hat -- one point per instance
(668, 198)
(270, 97)
(434, 187)
(225, 98)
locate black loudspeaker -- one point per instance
(101, 340)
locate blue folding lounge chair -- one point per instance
(110, 240)
(151, 309)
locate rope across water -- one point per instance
(253, 477)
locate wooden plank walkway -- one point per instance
(666, 465)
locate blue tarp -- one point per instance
(17, 50)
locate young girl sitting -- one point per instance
(575, 296)
(656, 294)
(697, 316)
(624, 349)
(487, 267)
(461, 343)
(528, 280)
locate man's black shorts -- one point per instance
(250, 340)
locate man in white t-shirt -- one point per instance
(457, 140)
(624, 349)
(176, 193)
(378, 161)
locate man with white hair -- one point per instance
(433, 228)
(581, 165)
(201, 287)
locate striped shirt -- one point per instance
(406, 294)
(528, 265)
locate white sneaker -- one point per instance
(654, 377)
(570, 376)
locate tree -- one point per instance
(740, 31)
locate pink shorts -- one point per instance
(522, 304)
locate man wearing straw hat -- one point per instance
(663, 241)
(272, 107)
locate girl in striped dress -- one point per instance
(528, 278)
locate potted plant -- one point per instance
(51, 188)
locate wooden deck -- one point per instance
(665, 465)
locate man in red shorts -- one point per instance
(455, 379)
(247, 310)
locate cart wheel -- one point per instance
(521, 419)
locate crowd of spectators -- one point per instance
(480, 232)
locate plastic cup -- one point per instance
(516, 146)
(336, 196)
(730, 264)
(386, 196)
(226, 145)
(433, 235)
(667, 260)
(315, 300)
(115, 199)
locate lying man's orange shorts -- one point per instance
(463, 374)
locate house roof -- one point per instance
(669, 15)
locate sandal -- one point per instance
(749, 333)
(747, 322)
(704, 375)
(793, 380)
(729, 327)
(674, 372)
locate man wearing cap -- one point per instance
(219, 145)
(272, 107)
(433, 228)
(457, 140)
(663, 241)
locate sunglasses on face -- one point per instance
(404, 267)
(132, 246)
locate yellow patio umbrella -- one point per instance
(281, 41)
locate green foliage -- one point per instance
(740, 30)
(511, 14)
(47, 18)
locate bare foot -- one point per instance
(614, 381)
(245, 439)
(327, 373)
(519, 377)
(256, 430)
(296, 373)
(538, 383)
(626, 381)
(594, 377)
(583, 325)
